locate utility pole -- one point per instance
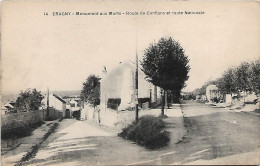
(48, 104)
(136, 89)
(136, 78)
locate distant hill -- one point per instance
(9, 97)
(6, 97)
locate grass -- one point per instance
(149, 131)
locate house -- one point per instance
(56, 102)
(212, 93)
(7, 107)
(118, 88)
(72, 105)
(118, 94)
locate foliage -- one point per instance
(166, 65)
(245, 77)
(28, 100)
(114, 101)
(21, 131)
(254, 76)
(241, 77)
(148, 131)
(91, 90)
(188, 96)
(227, 83)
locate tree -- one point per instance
(30, 99)
(227, 83)
(254, 76)
(242, 76)
(166, 65)
(91, 90)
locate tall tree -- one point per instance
(30, 99)
(242, 76)
(91, 90)
(226, 83)
(254, 76)
(166, 65)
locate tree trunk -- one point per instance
(244, 97)
(163, 102)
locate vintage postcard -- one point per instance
(130, 82)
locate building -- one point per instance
(118, 88)
(212, 93)
(118, 94)
(56, 102)
(72, 105)
(7, 107)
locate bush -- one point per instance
(148, 131)
(21, 131)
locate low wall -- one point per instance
(21, 119)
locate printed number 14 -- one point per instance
(45, 13)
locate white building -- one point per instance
(57, 103)
(117, 92)
(119, 84)
(212, 93)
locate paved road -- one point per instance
(218, 133)
(213, 135)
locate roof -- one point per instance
(59, 98)
(8, 106)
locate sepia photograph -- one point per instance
(148, 82)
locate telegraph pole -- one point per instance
(136, 78)
(48, 104)
(136, 89)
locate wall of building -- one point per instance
(57, 104)
(120, 84)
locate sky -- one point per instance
(60, 52)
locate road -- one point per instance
(218, 133)
(213, 135)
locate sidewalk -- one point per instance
(24, 146)
(175, 121)
(173, 111)
(86, 143)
